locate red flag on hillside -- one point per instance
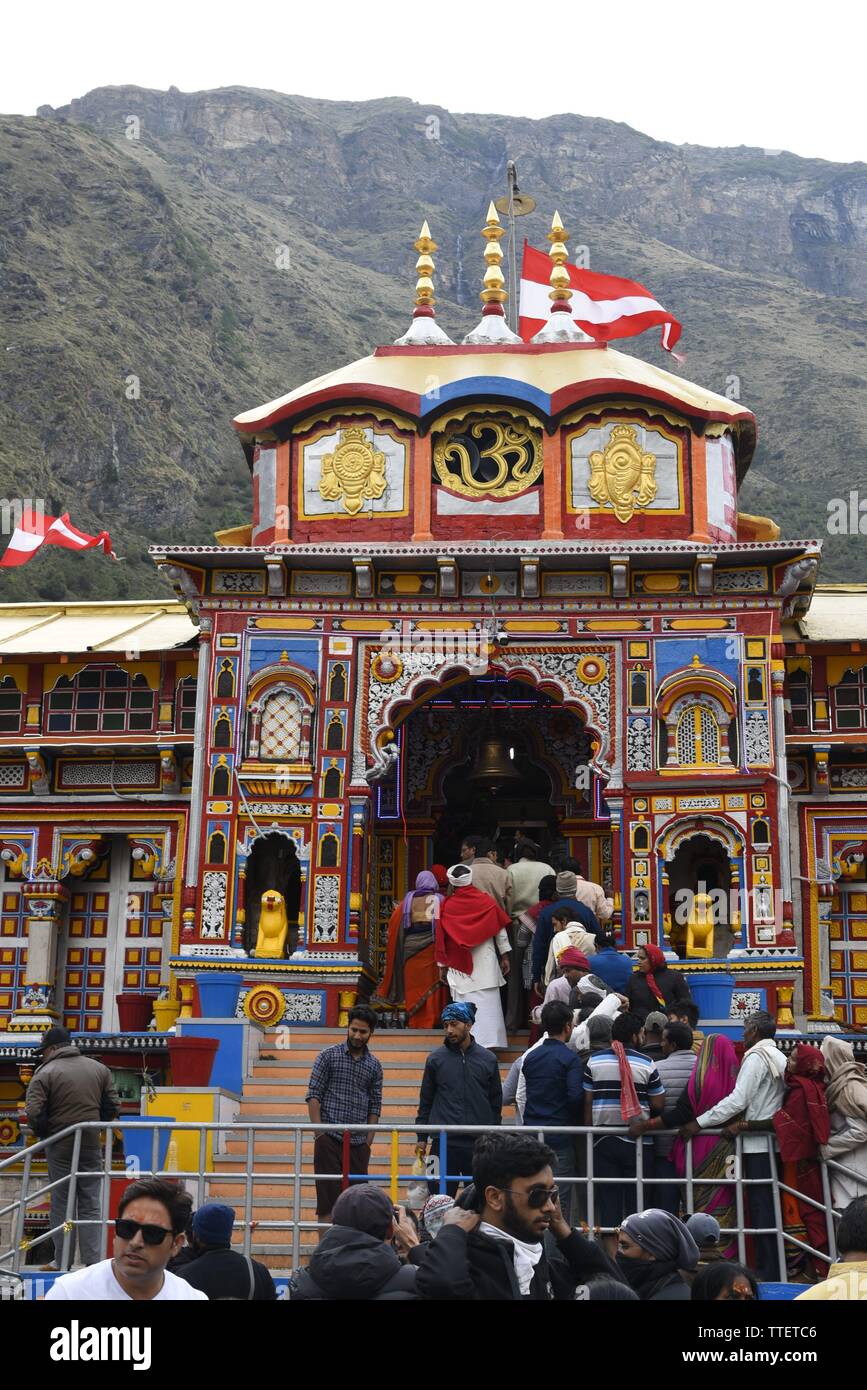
(605, 306)
(35, 530)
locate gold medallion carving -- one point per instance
(354, 472)
(622, 476)
(489, 458)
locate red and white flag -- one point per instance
(605, 306)
(35, 530)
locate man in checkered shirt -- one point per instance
(345, 1089)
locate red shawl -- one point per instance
(467, 918)
(802, 1122)
(656, 956)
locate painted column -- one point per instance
(357, 930)
(200, 751)
(45, 901)
(778, 677)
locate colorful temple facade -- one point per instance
(494, 587)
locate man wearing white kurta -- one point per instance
(490, 962)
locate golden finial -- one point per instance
(424, 330)
(493, 328)
(561, 289)
(561, 327)
(494, 291)
(424, 266)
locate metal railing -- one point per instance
(585, 1186)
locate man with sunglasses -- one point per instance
(512, 1242)
(149, 1230)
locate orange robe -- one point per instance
(420, 974)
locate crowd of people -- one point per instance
(641, 1205)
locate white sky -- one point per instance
(734, 72)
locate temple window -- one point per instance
(698, 725)
(282, 720)
(220, 780)
(755, 685)
(226, 681)
(638, 698)
(761, 833)
(331, 782)
(186, 705)
(798, 693)
(849, 698)
(641, 838)
(329, 851)
(100, 700)
(334, 737)
(223, 732)
(337, 683)
(698, 738)
(10, 706)
(281, 701)
(217, 848)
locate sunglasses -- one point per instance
(151, 1235)
(537, 1197)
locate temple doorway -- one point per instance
(272, 864)
(485, 756)
(701, 865)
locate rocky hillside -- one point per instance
(167, 260)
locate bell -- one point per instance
(493, 766)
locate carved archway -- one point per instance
(580, 678)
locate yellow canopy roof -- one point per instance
(33, 628)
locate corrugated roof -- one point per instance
(42, 628)
(837, 613)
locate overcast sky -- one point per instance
(735, 72)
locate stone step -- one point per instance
(297, 1085)
(271, 1108)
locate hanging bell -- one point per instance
(494, 768)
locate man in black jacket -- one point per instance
(356, 1259)
(516, 1244)
(460, 1086)
(69, 1089)
(217, 1269)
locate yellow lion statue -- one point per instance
(273, 926)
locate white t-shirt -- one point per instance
(97, 1284)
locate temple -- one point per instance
(493, 586)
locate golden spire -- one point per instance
(493, 327)
(424, 329)
(561, 327)
(424, 266)
(561, 288)
(494, 291)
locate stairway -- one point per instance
(276, 1090)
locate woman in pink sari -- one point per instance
(714, 1077)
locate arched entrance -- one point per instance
(272, 863)
(488, 755)
(703, 859)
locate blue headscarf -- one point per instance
(459, 1013)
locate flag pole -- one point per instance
(512, 175)
(515, 204)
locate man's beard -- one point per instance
(515, 1226)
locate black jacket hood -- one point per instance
(351, 1264)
